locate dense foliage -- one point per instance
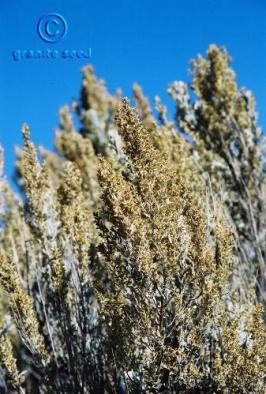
(134, 260)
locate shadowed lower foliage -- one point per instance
(135, 262)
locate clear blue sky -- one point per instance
(144, 41)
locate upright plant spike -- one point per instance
(223, 123)
(143, 107)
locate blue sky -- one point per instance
(144, 41)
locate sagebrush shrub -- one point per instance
(136, 261)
